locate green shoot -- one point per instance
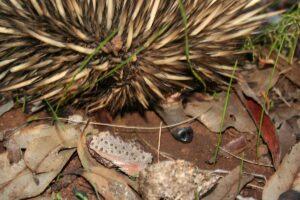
(224, 113)
(284, 37)
(54, 115)
(58, 196)
(267, 94)
(197, 197)
(187, 47)
(287, 29)
(80, 195)
(32, 118)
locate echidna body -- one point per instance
(43, 45)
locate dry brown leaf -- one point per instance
(9, 171)
(109, 187)
(26, 135)
(236, 145)
(286, 138)
(230, 186)
(211, 113)
(294, 74)
(66, 134)
(99, 183)
(6, 106)
(287, 128)
(258, 80)
(290, 70)
(44, 158)
(296, 184)
(284, 177)
(108, 182)
(18, 182)
(44, 154)
(44, 197)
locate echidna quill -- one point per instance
(44, 47)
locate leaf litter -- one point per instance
(44, 149)
(48, 148)
(286, 177)
(35, 155)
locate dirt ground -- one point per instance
(199, 151)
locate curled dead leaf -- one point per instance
(258, 80)
(211, 113)
(65, 134)
(44, 158)
(45, 154)
(285, 175)
(230, 186)
(18, 182)
(108, 182)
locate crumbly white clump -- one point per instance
(174, 180)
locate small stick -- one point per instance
(245, 160)
(223, 171)
(158, 147)
(278, 92)
(121, 126)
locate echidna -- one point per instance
(45, 44)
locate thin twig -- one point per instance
(121, 126)
(223, 171)
(245, 160)
(278, 92)
(158, 146)
(285, 70)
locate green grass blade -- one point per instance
(187, 47)
(224, 113)
(267, 94)
(53, 112)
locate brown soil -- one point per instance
(199, 151)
